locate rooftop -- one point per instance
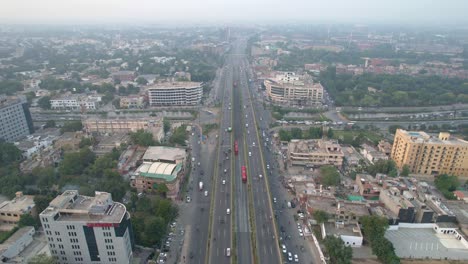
(160, 170)
(341, 229)
(21, 203)
(175, 85)
(423, 137)
(71, 206)
(308, 146)
(160, 153)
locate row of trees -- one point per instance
(393, 90)
(374, 228)
(297, 133)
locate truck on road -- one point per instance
(200, 186)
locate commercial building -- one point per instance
(161, 165)
(123, 76)
(11, 211)
(84, 229)
(430, 155)
(349, 233)
(291, 89)
(175, 93)
(314, 153)
(398, 204)
(15, 118)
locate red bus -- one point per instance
(244, 174)
(236, 148)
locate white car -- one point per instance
(274, 199)
(253, 144)
(206, 193)
(246, 125)
(228, 252)
(296, 258)
(268, 166)
(224, 182)
(283, 247)
(290, 256)
(228, 211)
(225, 170)
(260, 176)
(250, 154)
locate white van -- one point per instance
(228, 211)
(228, 252)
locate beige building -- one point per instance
(11, 211)
(430, 155)
(119, 125)
(175, 93)
(315, 152)
(132, 102)
(291, 89)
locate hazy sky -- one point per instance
(226, 11)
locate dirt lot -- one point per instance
(373, 261)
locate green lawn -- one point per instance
(372, 136)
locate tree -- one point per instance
(9, 154)
(446, 184)
(50, 123)
(179, 136)
(405, 171)
(382, 166)
(42, 202)
(86, 142)
(393, 128)
(337, 251)
(162, 189)
(142, 138)
(284, 135)
(330, 133)
(27, 220)
(329, 175)
(44, 102)
(72, 126)
(141, 81)
(320, 216)
(42, 259)
(374, 228)
(296, 133)
(30, 96)
(166, 126)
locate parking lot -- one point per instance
(424, 242)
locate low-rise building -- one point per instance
(337, 210)
(15, 244)
(314, 153)
(123, 76)
(132, 102)
(385, 147)
(119, 125)
(34, 144)
(11, 211)
(368, 186)
(372, 154)
(349, 233)
(151, 174)
(76, 102)
(398, 204)
(165, 154)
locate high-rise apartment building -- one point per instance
(175, 93)
(430, 155)
(83, 229)
(15, 118)
(291, 89)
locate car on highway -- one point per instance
(274, 199)
(268, 166)
(225, 170)
(260, 176)
(246, 125)
(253, 144)
(228, 252)
(296, 258)
(290, 258)
(283, 248)
(250, 154)
(228, 211)
(206, 193)
(224, 182)
(188, 199)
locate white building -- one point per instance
(76, 102)
(175, 93)
(83, 229)
(291, 89)
(349, 233)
